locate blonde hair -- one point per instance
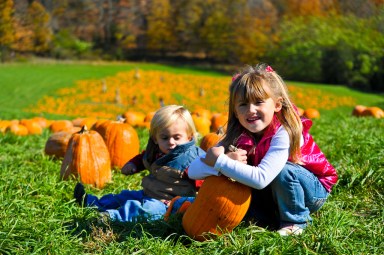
(249, 85)
(163, 118)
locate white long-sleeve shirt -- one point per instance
(257, 177)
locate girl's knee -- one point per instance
(286, 175)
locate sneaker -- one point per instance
(290, 230)
(80, 195)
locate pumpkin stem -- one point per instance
(83, 130)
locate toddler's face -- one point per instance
(168, 138)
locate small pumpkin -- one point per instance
(211, 139)
(134, 118)
(33, 126)
(219, 207)
(61, 125)
(218, 121)
(358, 110)
(57, 144)
(87, 157)
(202, 124)
(373, 111)
(311, 113)
(17, 129)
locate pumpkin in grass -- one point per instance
(202, 124)
(358, 110)
(87, 158)
(134, 118)
(60, 125)
(16, 129)
(218, 120)
(57, 143)
(219, 207)
(373, 111)
(33, 126)
(311, 113)
(122, 141)
(211, 139)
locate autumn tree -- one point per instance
(33, 32)
(6, 27)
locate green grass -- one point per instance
(38, 214)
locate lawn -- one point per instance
(39, 215)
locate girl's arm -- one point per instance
(257, 177)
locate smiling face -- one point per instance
(256, 114)
(175, 134)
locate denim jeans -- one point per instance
(128, 205)
(289, 199)
(297, 193)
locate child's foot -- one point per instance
(80, 195)
(290, 230)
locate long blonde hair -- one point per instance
(163, 118)
(248, 84)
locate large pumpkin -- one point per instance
(219, 207)
(87, 157)
(122, 141)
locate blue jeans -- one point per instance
(289, 199)
(128, 205)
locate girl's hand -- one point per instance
(212, 155)
(239, 155)
(129, 169)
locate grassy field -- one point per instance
(38, 214)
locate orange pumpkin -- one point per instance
(122, 142)
(87, 157)
(16, 129)
(211, 139)
(218, 208)
(300, 111)
(374, 111)
(358, 110)
(33, 126)
(202, 124)
(134, 118)
(57, 144)
(79, 122)
(218, 121)
(61, 125)
(201, 112)
(311, 113)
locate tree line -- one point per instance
(328, 41)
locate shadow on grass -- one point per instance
(100, 228)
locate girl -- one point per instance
(170, 149)
(274, 153)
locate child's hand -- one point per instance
(129, 169)
(212, 155)
(239, 155)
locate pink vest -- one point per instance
(312, 157)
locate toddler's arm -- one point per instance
(129, 168)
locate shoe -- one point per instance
(290, 230)
(80, 195)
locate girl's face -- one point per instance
(256, 116)
(168, 138)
